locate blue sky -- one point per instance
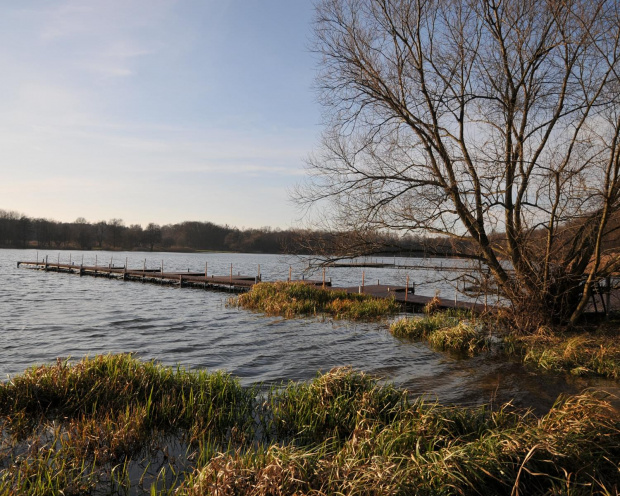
(156, 110)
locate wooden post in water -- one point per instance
(407, 288)
(323, 277)
(69, 258)
(95, 265)
(258, 273)
(363, 279)
(456, 292)
(58, 264)
(206, 266)
(290, 271)
(45, 263)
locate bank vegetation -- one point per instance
(114, 425)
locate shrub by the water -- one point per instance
(294, 299)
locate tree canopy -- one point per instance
(492, 120)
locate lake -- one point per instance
(47, 315)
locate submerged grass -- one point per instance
(293, 299)
(448, 330)
(83, 428)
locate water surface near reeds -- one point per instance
(49, 315)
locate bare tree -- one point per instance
(496, 121)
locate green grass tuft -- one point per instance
(449, 330)
(294, 299)
(582, 353)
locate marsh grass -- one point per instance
(294, 299)
(580, 353)
(391, 445)
(85, 428)
(449, 330)
(68, 425)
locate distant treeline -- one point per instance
(19, 231)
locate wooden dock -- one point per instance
(240, 283)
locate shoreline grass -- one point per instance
(292, 299)
(449, 330)
(85, 428)
(579, 353)
(582, 352)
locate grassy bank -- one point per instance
(117, 424)
(297, 299)
(579, 352)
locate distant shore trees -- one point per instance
(20, 231)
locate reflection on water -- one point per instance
(47, 315)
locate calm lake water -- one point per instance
(49, 315)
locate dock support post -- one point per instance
(456, 292)
(407, 288)
(323, 277)
(258, 278)
(290, 272)
(45, 263)
(206, 267)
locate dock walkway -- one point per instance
(240, 283)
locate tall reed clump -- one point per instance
(65, 423)
(344, 434)
(446, 330)
(582, 353)
(293, 299)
